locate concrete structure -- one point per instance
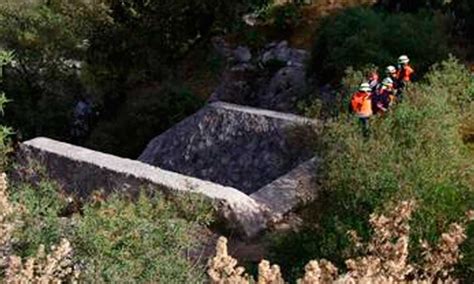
(82, 171)
(232, 145)
(275, 174)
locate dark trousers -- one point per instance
(364, 122)
(400, 95)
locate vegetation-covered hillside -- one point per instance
(112, 74)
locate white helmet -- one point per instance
(388, 82)
(390, 70)
(365, 87)
(403, 59)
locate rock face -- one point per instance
(235, 146)
(275, 79)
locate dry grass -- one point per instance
(385, 257)
(56, 267)
(6, 226)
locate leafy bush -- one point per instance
(42, 205)
(416, 151)
(5, 58)
(48, 38)
(147, 39)
(359, 36)
(114, 239)
(101, 51)
(144, 241)
(285, 16)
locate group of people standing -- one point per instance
(375, 97)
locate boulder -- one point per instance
(259, 82)
(282, 52)
(242, 54)
(285, 89)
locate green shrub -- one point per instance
(148, 39)
(118, 46)
(114, 239)
(5, 58)
(416, 151)
(47, 36)
(40, 216)
(359, 36)
(120, 241)
(285, 17)
(463, 10)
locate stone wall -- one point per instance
(82, 171)
(232, 145)
(289, 191)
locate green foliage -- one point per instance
(101, 50)
(359, 36)
(284, 17)
(143, 115)
(129, 242)
(146, 38)
(40, 223)
(6, 58)
(117, 239)
(463, 10)
(416, 151)
(413, 5)
(48, 38)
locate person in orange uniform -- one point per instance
(405, 71)
(361, 104)
(404, 75)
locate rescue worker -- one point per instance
(383, 98)
(392, 73)
(374, 80)
(404, 75)
(396, 87)
(405, 71)
(361, 105)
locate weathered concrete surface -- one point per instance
(83, 171)
(241, 147)
(289, 191)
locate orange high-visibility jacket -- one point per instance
(405, 73)
(362, 104)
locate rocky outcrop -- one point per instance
(232, 145)
(283, 53)
(274, 79)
